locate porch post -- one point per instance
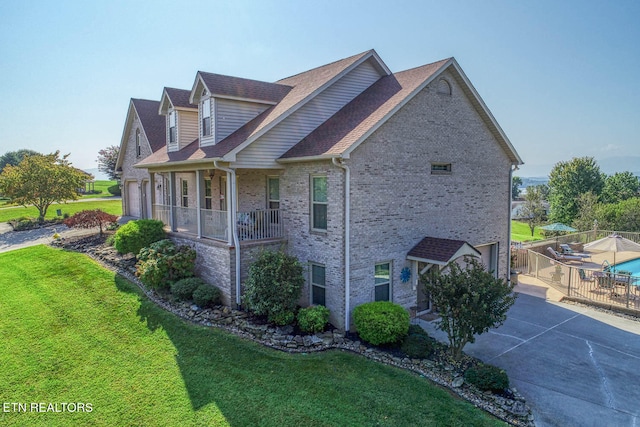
(172, 201)
(199, 201)
(152, 190)
(230, 207)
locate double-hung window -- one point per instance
(318, 285)
(319, 203)
(206, 117)
(185, 193)
(208, 194)
(382, 284)
(173, 130)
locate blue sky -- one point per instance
(561, 77)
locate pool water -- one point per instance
(632, 265)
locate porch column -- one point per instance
(152, 190)
(172, 201)
(230, 207)
(199, 201)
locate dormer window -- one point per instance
(206, 117)
(173, 131)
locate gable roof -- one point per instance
(349, 127)
(433, 250)
(153, 126)
(177, 98)
(237, 88)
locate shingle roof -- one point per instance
(356, 118)
(219, 84)
(152, 123)
(441, 251)
(179, 97)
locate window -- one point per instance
(138, 148)
(443, 87)
(273, 192)
(207, 194)
(319, 203)
(173, 131)
(382, 287)
(440, 168)
(223, 193)
(318, 285)
(206, 117)
(185, 193)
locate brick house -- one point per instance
(368, 177)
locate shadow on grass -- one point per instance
(253, 385)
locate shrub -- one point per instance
(163, 263)
(381, 322)
(135, 235)
(418, 346)
(206, 296)
(183, 289)
(90, 219)
(115, 190)
(487, 378)
(417, 330)
(313, 319)
(273, 286)
(282, 318)
(109, 240)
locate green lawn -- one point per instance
(520, 232)
(101, 186)
(72, 331)
(110, 206)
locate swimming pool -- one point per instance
(633, 265)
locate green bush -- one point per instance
(206, 296)
(183, 289)
(418, 346)
(417, 330)
(163, 263)
(313, 319)
(273, 287)
(487, 378)
(135, 235)
(115, 190)
(381, 322)
(109, 240)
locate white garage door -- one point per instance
(133, 199)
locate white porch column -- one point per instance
(172, 201)
(199, 179)
(152, 190)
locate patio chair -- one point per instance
(584, 277)
(567, 250)
(560, 257)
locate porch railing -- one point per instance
(260, 224)
(214, 224)
(161, 212)
(186, 219)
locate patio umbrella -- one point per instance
(613, 243)
(557, 226)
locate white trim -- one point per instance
(313, 202)
(312, 284)
(375, 285)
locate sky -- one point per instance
(560, 77)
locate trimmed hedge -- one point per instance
(115, 190)
(487, 378)
(206, 296)
(313, 319)
(163, 263)
(381, 322)
(138, 234)
(183, 289)
(418, 346)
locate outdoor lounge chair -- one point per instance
(560, 257)
(584, 277)
(566, 250)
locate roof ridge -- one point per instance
(426, 65)
(239, 78)
(326, 65)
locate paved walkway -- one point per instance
(576, 366)
(11, 240)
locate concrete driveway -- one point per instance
(575, 366)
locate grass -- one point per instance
(74, 332)
(113, 207)
(101, 186)
(520, 232)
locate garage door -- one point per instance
(133, 199)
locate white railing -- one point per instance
(186, 219)
(214, 224)
(260, 224)
(161, 212)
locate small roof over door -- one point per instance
(433, 250)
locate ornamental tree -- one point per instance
(41, 180)
(470, 301)
(107, 159)
(91, 219)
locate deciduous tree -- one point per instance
(470, 301)
(41, 180)
(516, 182)
(107, 159)
(533, 209)
(620, 186)
(14, 158)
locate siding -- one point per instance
(187, 127)
(263, 152)
(230, 115)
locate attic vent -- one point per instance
(444, 87)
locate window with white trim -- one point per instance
(319, 203)
(138, 146)
(173, 130)
(382, 282)
(205, 108)
(273, 192)
(208, 198)
(318, 291)
(184, 193)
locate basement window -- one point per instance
(440, 168)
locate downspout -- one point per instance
(511, 170)
(347, 239)
(232, 217)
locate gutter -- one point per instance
(347, 239)
(231, 217)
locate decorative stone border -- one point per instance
(514, 411)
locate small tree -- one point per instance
(90, 219)
(41, 180)
(533, 209)
(107, 159)
(516, 182)
(470, 301)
